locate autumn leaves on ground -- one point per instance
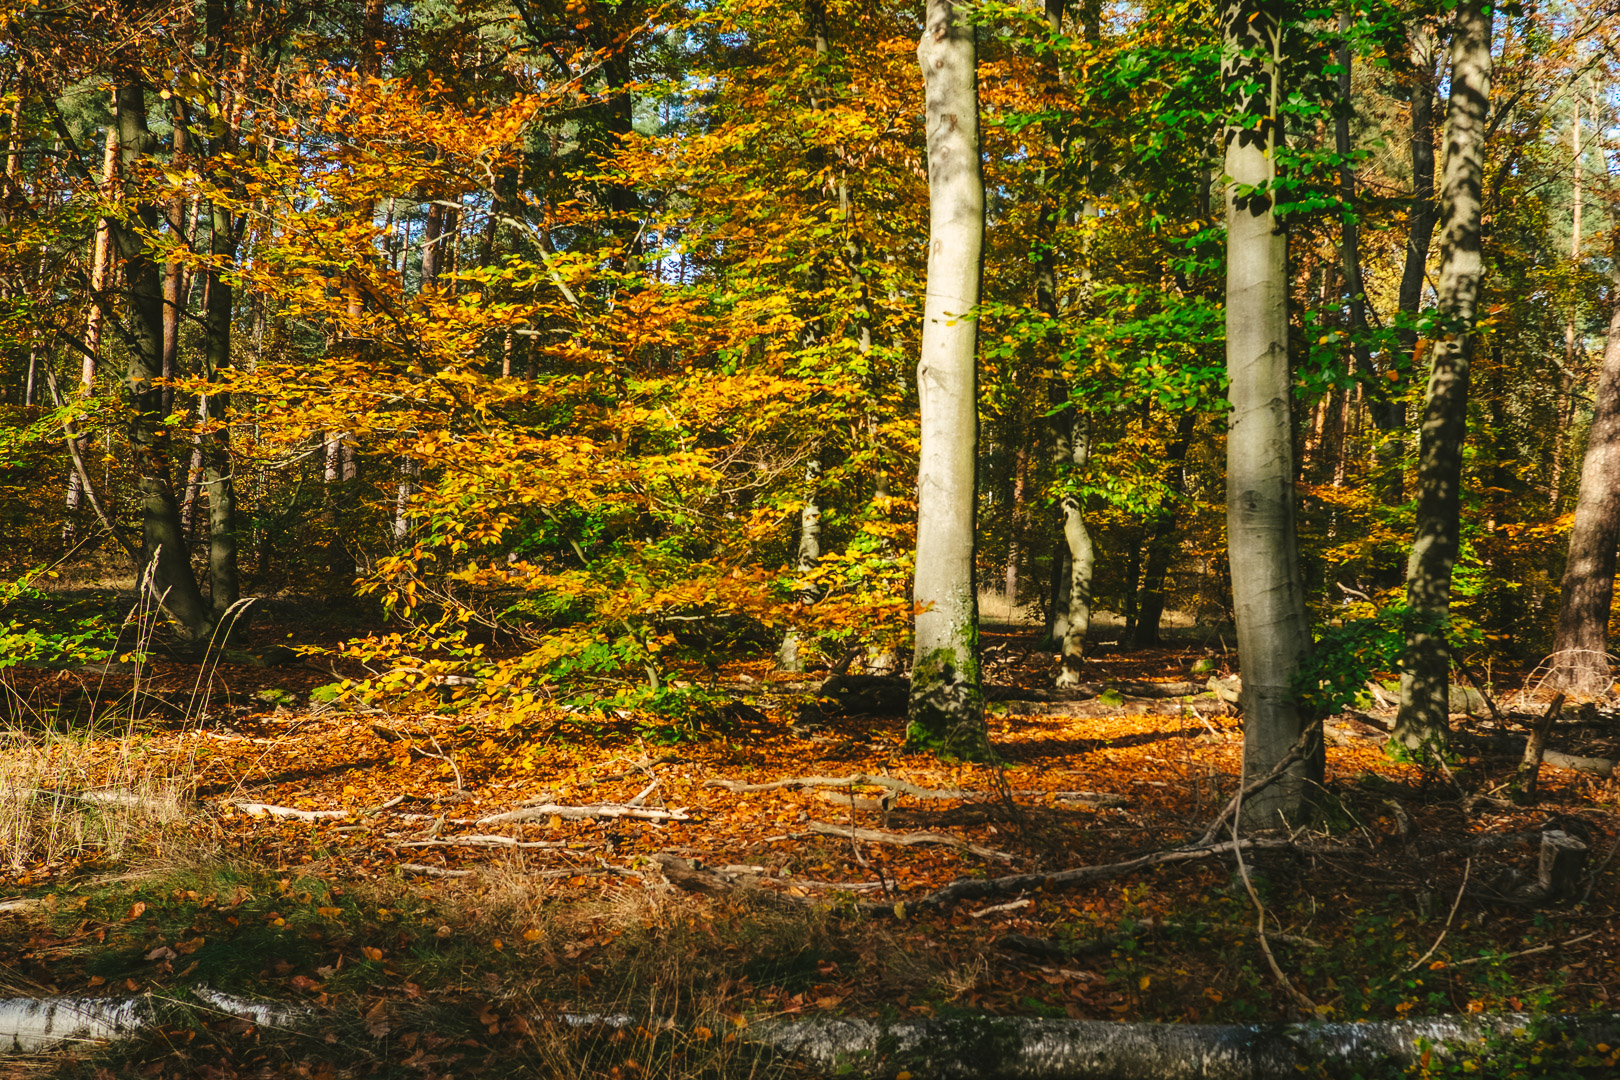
(443, 890)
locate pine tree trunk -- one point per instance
(1268, 595)
(946, 711)
(1581, 648)
(1426, 663)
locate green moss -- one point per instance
(947, 707)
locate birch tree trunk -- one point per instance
(1426, 663)
(1268, 594)
(946, 711)
(1581, 648)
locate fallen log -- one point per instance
(424, 870)
(856, 780)
(886, 693)
(974, 1047)
(877, 836)
(483, 841)
(598, 810)
(254, 809)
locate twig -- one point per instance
(1467, 866)
(1468, 673)
(1294, 993)
(1525, 952)
(1295, 753)
(1523, 788)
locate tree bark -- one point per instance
(1389, 412)
(946, 712)
(1581, 647)
(163, 557)
(101, 275)
(1161, 543)
(1426, 663)
(1268, 595)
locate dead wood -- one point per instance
(253, 809)
(878, 836)
(433, 871)
(483, 841)
(598, 810)
(1523, 788)
(1101, 800)
(979, 888)
(855, 780)
(1294, 754)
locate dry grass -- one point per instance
(69, 792)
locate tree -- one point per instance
(1268, 594)
(1581, 648)
(947, 702)
(1426, 660)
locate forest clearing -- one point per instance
(770, 538)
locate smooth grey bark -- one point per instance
(1420, 724)
(1580, 660)
(1268, 594)
(975, 1047)
(163, 557)
(1081, 563)
(946, 710)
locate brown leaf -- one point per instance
(376, 1020)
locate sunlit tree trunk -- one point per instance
(1564, 406)
(947, 701)
(1268, 595)
(163, 555)
(1581, 648)
(1426, 662)
(101, 275)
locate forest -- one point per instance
(690, 539)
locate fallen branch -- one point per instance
(255, 809)
(433, 871)
(857, 780)
(1101, 800)
(599, 810)
(1524, 952)
(483, 841)
(998, 909)
(877, 836)
(979, 888)
(1523, 788)
(1295, 753)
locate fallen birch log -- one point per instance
(877, 836)
(599, 810)
(423, 870)
(256, 809)
(959, 1048)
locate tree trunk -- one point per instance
(1161, 543)
(1081, 562)
(1581, 648)
(1389, 413)
(946, 711)
(1426, 663)
(1349, 238)
(1268, 595)
(1564, 408)
(101, 274)
(163, 555)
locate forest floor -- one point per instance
(217, 827)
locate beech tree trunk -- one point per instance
(101, 275)
(1162, 541)
(163, 555)
(946, 712)
(1268, 594)
(1581, 648)
(1426, 663)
